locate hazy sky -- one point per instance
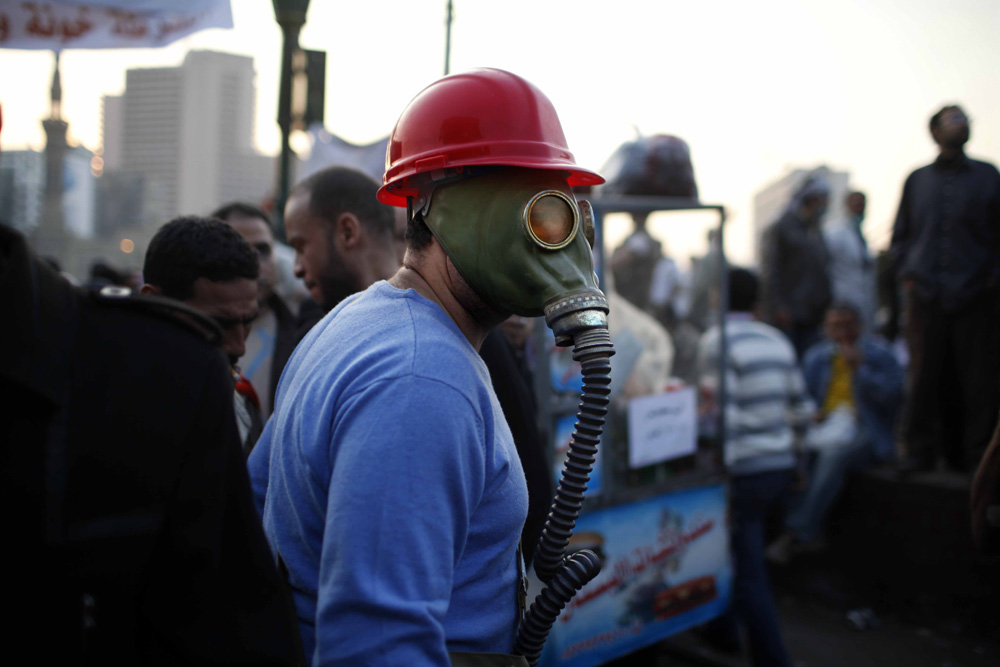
(755, 88)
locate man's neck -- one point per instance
(377, 265)
(951, 154)
(440, 283)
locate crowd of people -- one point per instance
(819, 381)
(325, 454)
(321, 438)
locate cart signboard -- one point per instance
(666, 569)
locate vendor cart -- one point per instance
(656, 505)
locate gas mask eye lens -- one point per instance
(551, 219)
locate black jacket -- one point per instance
(132, 536)
(794, 265)
(285, 341)
(512, 385)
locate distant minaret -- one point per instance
(50, 236)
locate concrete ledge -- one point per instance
(903, 547)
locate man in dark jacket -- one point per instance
(794, 267)
(206, 265)
(946, 252)
(136, 538)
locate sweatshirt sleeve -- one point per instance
(409, 473)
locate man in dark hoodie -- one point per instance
(794, 280)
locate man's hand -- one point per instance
(852, 356)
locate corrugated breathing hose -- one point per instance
(565, 576)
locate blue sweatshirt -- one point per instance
(390, 486)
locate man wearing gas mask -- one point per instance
(388, 479)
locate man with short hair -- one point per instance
(205, 264)
(946, 252)
(342, 235)
(272, 334)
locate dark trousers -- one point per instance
(752, 498)
(953, 388)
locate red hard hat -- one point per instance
(480, 117)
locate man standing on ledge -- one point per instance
(388, 480)
(946, 252)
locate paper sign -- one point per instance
(662, 427)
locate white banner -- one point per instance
(55, 26)
(329, 150)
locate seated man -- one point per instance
(206, 264)
(858, 384)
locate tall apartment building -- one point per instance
(186, 133)
(770, 202)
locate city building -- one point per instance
(187, 133)
(22, 190)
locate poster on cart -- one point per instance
(666, 569)
(662, 427)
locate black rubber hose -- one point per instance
(579, 569)
(565, 576)
(593, 350)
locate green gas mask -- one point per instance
(520, 239)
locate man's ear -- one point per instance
(150, 289)
(348, 231)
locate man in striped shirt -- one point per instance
(766, 409)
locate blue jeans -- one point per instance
(751, 499)
(826, 479)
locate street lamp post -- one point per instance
(447, 41)
(291, 16)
